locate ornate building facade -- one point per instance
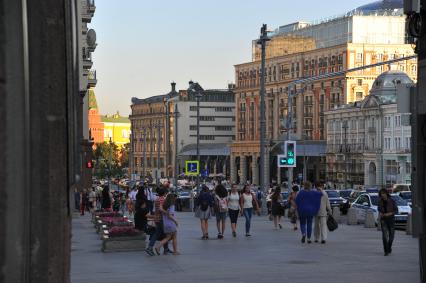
(164, 130)
(339, 44)
(369, 141)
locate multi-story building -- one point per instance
(370, 34)
(116, 129)
(87, 79)
(369, 142)
(173, 118)
(217, 127)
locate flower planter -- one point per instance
(107, 225)
(97, 214)
(123, 243)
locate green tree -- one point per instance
(124, 155)
(107, 161)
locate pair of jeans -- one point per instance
(158, 235)
(388, 233)
(306, 225)
(248, 212)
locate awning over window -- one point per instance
(206, 150)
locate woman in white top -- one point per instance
(234, 208)
(246, 202)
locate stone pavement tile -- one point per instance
(352, 254)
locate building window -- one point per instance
(124, 134)
(193, 127)
(207, 118)
(223, 109)
(359, 95)
(359, 82)
(192, 108)
(207, 137)
(223, 128)
(359, 56)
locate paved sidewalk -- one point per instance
(352, 254)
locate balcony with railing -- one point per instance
(308, 127)
(88, 10)
(308, 114)
(87, 59)
(308, 102)
(92, 80)
(372, 130)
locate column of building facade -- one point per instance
(233, 169)
(255, 169)
(243, 169)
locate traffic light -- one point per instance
(290, 153)
(89, 164)
(282, 161)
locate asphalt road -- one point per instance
(353, 254)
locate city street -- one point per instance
(352, 254)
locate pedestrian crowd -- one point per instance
(154, 211)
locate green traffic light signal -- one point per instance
(290, 161)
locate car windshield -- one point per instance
(345, 194)
(399, 201)
(333, 194)
(405, 195)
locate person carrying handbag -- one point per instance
(248, 202)
(292, 211)
(320, 227)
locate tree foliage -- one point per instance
(107, 160)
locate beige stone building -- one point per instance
(356, 39)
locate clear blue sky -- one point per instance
(144, 45)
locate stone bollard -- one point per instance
(336, 214)
(352, 219)
(370, 221)
(409, 227)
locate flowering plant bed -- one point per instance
(98, 214)
(109, 222)
(123, 239)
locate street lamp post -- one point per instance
(109, 162)
(262, 41)
(345, 152)
(198, 96)
(176, 169)
(157, 177)
(144, 154)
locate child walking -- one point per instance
(169, 224)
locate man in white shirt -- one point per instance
(150, 197)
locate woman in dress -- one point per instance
(276, 207)
(292, 211)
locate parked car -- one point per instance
(354, 195)
(337, 201)
(345, 194)
(370, 201)
(401, 188)
(406, 196)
